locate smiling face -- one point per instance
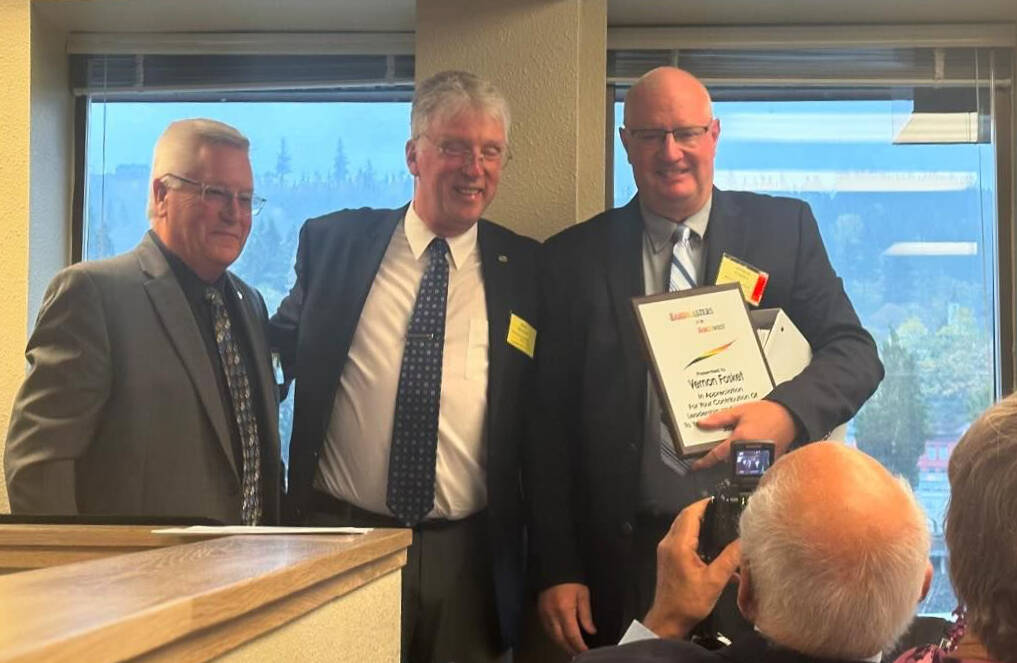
(208, 236)
(452, 192)
(674, 179)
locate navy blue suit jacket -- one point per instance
(584, 460)
(337, 259)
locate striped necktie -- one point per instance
(682, 276)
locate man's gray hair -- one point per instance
(448, 92)
(178, 145)
(846, 604)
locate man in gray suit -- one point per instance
(150, 390)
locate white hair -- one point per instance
(449, 92)
(177, 148)
(846, 604)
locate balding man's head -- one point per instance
(836, 551)
(673, 172)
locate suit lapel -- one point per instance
(178, 320)
(623, 257)
(495, 267)
(352, 275)
(724, 233)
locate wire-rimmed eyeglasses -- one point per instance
(221, 196)
(684, 136)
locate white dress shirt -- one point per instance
(354, 458)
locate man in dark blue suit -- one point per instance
(411, 334)
(600, 495)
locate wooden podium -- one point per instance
(121, 593)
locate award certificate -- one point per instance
(704, 356)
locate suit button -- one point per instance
(626, 528)
(632, 447)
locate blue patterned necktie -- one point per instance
(681, 276)
(415, 429)
(243, 407)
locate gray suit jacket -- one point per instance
(120, 412)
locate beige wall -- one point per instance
(549, 58)
(36, 127)
(52, 167)
(15, 31)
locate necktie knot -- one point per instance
(683, 234)
(438, 248)
(213, 296)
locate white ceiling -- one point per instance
(399, 15)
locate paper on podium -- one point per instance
(786, 350)
(207, 530)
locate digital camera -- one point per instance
(749, 460)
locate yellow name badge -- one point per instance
(752, 281)
(521, 335)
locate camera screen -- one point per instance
(751, 462)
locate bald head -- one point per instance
(671, 86)
(670, 137)
(848, 502)
(837, 553)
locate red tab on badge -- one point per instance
(751, 280)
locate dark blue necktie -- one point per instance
(243, 407)
(415, 430)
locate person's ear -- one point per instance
(411, 157)
(624, 135)
(746, 595)
(926, 582)
(159, 191)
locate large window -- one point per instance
(905, 197)
(309, 158)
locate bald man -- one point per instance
(834, 559)
(600, 496)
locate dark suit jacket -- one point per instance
(583, 466)
(120, 412)
(337, 259)
(753, 648)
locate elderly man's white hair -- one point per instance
(837, 549)
(178, 145)
(448, 92)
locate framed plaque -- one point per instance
(704, 356)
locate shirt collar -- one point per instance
(187, 277)
(660, 230)
(419, 236)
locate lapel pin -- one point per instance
(502, 258)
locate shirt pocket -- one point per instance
(476, 350)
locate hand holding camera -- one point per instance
(687, 588)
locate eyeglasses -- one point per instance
(222, 197)
(684, 136)
(460, 153)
